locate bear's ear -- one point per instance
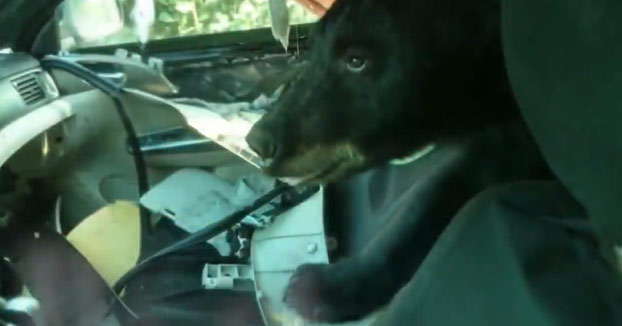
(332, 14)
(395, 5)
(340, 8)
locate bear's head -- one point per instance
(383, 79)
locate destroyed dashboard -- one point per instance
(50, 118)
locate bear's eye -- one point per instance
(356, 63)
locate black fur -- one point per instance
(445, 180)
(434, 72)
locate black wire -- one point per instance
(139, 162)
(12, 317)
(89, 76)
(114, 91)
(201, 236)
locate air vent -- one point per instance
(29, 88)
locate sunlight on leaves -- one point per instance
(179, 18)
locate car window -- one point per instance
(179, 18)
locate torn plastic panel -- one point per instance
(184, 140)
(280, 22)
(228, 128)
(143, 16)
(194, 198)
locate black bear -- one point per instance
(384, 79)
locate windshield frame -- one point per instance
(212, 46)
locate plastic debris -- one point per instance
(280, 21)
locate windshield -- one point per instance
(180, 18)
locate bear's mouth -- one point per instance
(324, 174)
(323, 165)
(310, 177)
(319, 165)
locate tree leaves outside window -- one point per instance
(178, 18)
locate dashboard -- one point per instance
(55, 125)
(31, 103)
(36, 106)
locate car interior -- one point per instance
(127, 211)
(68, 158)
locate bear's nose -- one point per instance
(262, 142)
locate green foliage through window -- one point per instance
(178, 18)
